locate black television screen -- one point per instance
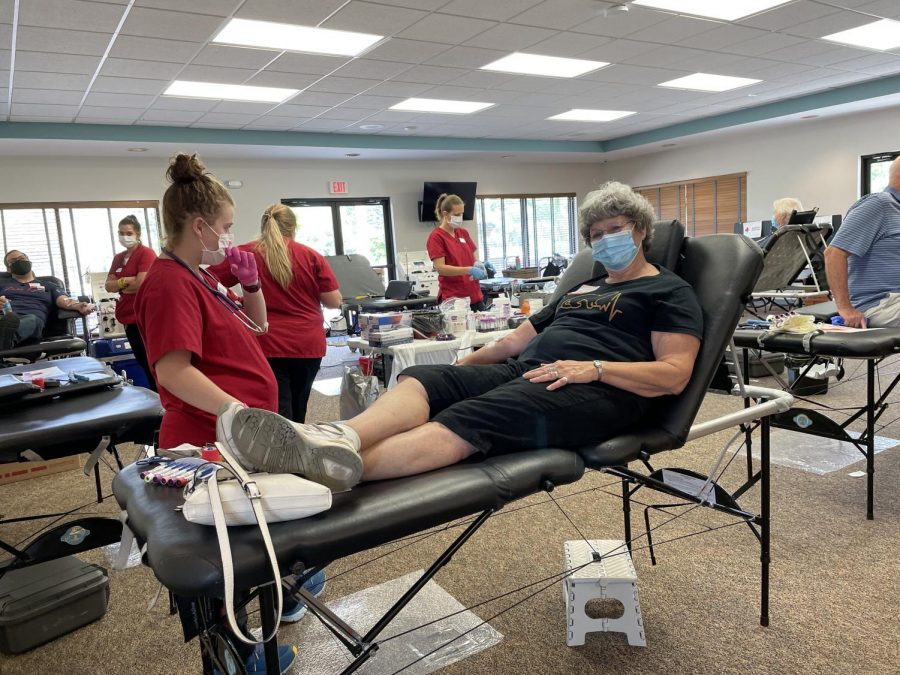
(434, 189)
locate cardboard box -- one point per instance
(16, 471)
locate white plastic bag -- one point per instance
(358, 391)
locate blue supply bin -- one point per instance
(119, 347)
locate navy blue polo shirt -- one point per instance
(32, 297)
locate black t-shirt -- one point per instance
(613, 322)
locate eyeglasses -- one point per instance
(597, 236)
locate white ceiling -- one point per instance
(108, 61)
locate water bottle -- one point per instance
(7, 308)
(518, 263)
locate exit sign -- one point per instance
(337, 187)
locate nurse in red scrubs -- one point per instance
(453, 252)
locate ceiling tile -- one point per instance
(831, 23)
(363, 101)
(32, 80)
(216, 74)
(158, 23)
(568, 44)
(481, 79)
(300, 12)
(618, 51)
(287, 80)
(44, 110)
(875, 64)
(234, 57)
(618, 24)
(322, 125)
(53, 96)
(668, 55)
(634, 74)
(367, 17)
(6, 11)
(343, 85)
(494, 11)
(834, 54)
(406, 51)
(457, 93)
(158, 123)
(371, 69)
(56, 63)
(102, 120)
(118, 100)
(150, 70)
(510, 37)
(349, 114)
(675, 29)
(710, 62)
(185, 116)
(403, 89)
(466, 57)
(429, 74)
(560, 14)
(445, 28)
(320, 98)
(58, 41)
(429, 5)
(785, 16)
(887, 9)
(313, 64)
(185, 104)
(153, 49)
(767, 44)
(130, 114)
(399, 116)
(273, 123)
(231, 119)
(780, 71)
(306, 111)
(128, 85)
(38, 118)
(212, 7)
(243, 107)
(722, 37)
(70, 15)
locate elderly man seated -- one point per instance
(27, 303)
(580, 371)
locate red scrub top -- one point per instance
(295, 317)
(176, 311)
(138, 261)
(458, 250)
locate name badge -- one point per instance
(462, 241)
(35, 287)
(118, 269)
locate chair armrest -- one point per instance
(66, 314)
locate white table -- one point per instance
(422, 352)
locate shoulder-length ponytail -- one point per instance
(278, 222)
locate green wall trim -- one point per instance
(855, 92)
(151, 134)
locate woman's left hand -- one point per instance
(561, 373)
(243, 266)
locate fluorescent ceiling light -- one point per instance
(884, 34)
(228, 92)
(549, 66)
(270, 35)
(727, 10)
(437, 105)
(586, 115)
(708, 82)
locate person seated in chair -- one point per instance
(580, 371)
(30, 302)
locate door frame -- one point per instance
(335, 203)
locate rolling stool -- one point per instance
(610, 574)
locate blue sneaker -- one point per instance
(293, 607)
(255, 664)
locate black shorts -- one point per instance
(497, 410)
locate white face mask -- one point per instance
(214, 257)
(127, 240)
(456, 220)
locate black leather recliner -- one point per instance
(59, 333)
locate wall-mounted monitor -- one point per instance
(434, 189)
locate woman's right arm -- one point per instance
(175, 373)
(507, 347)
(112, 282)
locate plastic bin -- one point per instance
(42, 602)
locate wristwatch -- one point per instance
(251, 288)
(598, 364)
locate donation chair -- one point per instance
(59, 334)
(185, 557)
(363, 290)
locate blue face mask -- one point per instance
(775, 224)
(615, 251)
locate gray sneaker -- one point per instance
(324, 453)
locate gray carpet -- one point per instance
(835, 577)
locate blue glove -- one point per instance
(477, 272)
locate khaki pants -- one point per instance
(886, 313)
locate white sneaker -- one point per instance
(224, 421)
(325, 453)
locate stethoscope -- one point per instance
(230, 304)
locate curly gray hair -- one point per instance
(616, 199)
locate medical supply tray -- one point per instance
(42, 602)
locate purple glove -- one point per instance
(243, 266)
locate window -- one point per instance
(874, 171)
(532, 228)
(68, 241)
(704, 205)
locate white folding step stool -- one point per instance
(606, 571)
